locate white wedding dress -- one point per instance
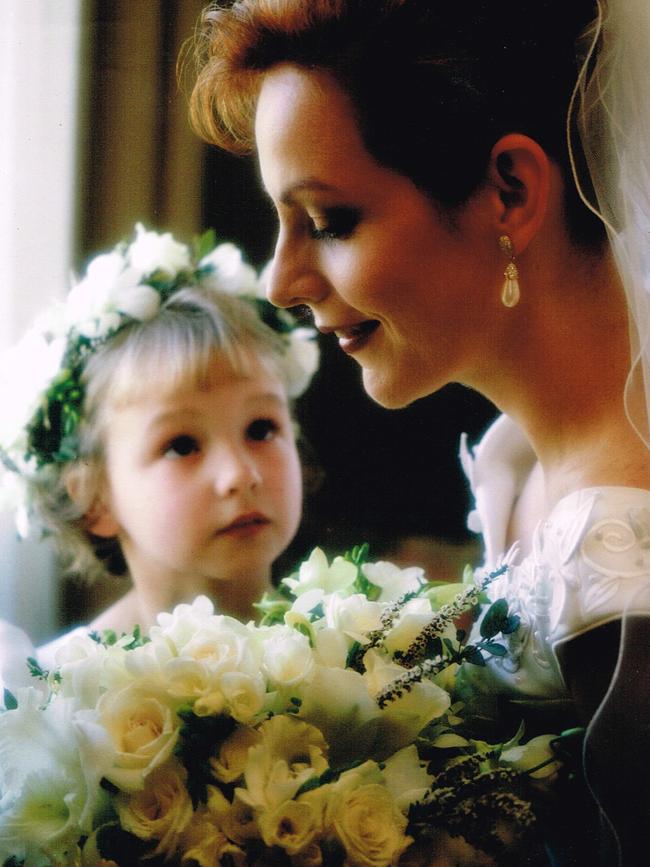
(589, 563)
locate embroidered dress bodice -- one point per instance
(589, 563)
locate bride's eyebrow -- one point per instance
(288, 195)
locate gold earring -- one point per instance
(510, 292)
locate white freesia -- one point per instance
(352, 615)
(317, 574)
(47, 795)
(288, 754)
(180, 625)
(287, 659)
(228, 272)
(394, 582)
(151, 252)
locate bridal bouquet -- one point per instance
(325, 734)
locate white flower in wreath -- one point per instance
(89, 304)
(151, 252)
(28, 370)
(228, 272)
(303, 354)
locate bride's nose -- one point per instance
(294, 277)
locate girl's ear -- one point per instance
(98, 519)
(520, 174)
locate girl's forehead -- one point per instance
(170, 382)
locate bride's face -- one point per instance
(401, 286)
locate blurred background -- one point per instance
(95, 138)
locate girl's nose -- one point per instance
(293, 277)
(235, 473)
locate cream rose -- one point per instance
(142, 729)
(292, 826)
(160, 812)
(369, 825)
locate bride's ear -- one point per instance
(521, 175)
(98, 518)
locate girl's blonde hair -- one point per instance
(173, 350)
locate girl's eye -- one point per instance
(181, 446)
(262, 430)
(338, 223)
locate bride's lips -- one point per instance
(245, 525)
(354, 337)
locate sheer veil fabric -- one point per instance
(611, 112)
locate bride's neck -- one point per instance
(563, 377)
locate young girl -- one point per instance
(161, 444)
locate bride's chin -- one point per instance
(384, 390)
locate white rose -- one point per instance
(289, 753)
(403, 718)
(225, 645)
(181, 625)
(394, 582)
(287, 657)
(538, 750)
(405, 777)
(160, 812)
(230, 273)
(413, 617)
(151, 252)
(316, 573)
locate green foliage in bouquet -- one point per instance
(325, 734)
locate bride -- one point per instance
(462, 194)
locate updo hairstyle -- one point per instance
(434, 83)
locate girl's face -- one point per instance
(204, 484)
(408, 294)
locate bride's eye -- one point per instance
(181, 446)
(262, 430)
(335, 224)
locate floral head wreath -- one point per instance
(43, 392)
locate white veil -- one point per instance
(611, 109)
